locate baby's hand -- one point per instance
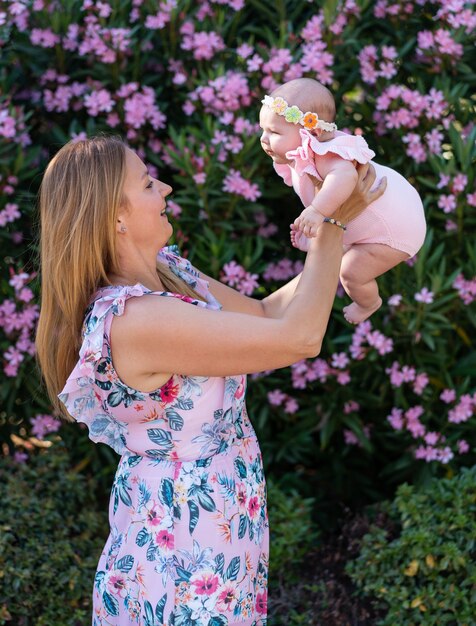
(309, 221)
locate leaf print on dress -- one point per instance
(120, 490)
(123, 395)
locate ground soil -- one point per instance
(325, 595)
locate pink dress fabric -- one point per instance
(396, 219)
(188, 541)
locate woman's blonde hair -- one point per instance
(80, 197)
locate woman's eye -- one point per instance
(150, 184)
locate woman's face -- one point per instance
(145, 218)
(278, 136)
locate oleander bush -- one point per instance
(388, 401)
(51, 536)
(424, 570)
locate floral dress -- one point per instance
(188, 542)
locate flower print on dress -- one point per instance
(188, 525)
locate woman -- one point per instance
(162, 381)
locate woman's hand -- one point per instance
(361, 197)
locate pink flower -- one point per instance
(340, 360)
(343, 378)
(205, 584)
(244, 51)
(45, 38)
(351, 406)
(200, 178)
(431, 438)
(227, 597)
(235, 183)
(447, 203)
(466, 288)
(262, 602)
(395, 300)
(20, 457)
(236, 276)
(445, 455)
(98, 101)
(276, 397)
(117, 584)
(9, 214)
(444, 180)
(448, 395)
(351, 438)
(421, 381)
(463, 411)
(471, 199)
(43, 425)
(463, 446)
(425, 296)
(253, 507)
(291, 406)
(459, 183)
(165, 540)
(395, 418)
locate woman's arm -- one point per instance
(158, 335)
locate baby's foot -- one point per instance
(354, 313)
(299, 239)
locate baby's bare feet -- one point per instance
(354, 313)
(299, 239)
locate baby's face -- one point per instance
(278, 136)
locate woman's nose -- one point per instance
(165, 189)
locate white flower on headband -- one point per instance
(294, 115)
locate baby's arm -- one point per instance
(340, 177)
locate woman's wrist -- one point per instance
(327, 233)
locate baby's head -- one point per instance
(307, 95)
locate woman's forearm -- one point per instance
(308, 310)
(277, 302)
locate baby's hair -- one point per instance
(309, 95)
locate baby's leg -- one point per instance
(361, 265)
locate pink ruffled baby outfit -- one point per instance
(188, 539)
(396, 219)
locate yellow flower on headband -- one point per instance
(279, 105)
(310, 120)
(293, 114)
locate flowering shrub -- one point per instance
(390, 399)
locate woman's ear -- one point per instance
(120, 225)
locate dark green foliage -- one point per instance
(51, 536)
(424, 571)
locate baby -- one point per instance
(311, 155)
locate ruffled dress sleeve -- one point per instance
(81, 394)
(87, 388)
(305, 156)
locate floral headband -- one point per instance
(294, 115)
